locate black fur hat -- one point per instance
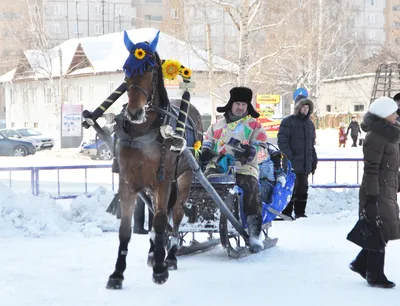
(240, 94)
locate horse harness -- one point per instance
(166, 114)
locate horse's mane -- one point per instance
(164, 100)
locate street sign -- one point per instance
(300, 91)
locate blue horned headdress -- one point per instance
(140, 55)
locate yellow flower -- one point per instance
(186, 72)
(170, 69)
(140, 53)
(197, 148)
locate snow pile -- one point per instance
(325, 201)
(27, 215)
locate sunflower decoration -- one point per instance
(186, 73)
(140, 53)
(170, 69)
(197, 148)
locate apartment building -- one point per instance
(65, 19)
(392, 25)
(369, 25)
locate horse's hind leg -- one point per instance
(184, 183)
(125, 232)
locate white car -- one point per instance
(33, 136)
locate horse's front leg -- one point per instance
(184, 184)
(127, 202)
(160, 221)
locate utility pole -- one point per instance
(114, 16)
(103, 3)
(67, 18)
(88, 15)
(77, 20)
(120, 25)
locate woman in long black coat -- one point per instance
(378, 191)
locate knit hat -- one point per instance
(240, 94)
(383, 107)
(397, 97)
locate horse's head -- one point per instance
(141, 77)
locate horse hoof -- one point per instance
(172, 264)
(161, 278)
(114, 283)
(150, 259)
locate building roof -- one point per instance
(107, 53)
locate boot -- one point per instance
(359, 265)
(255, 241)
(300, 206)
(375, 266)
(289, 209)
(138, 218)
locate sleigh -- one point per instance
(204, 219)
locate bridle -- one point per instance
(149, 94)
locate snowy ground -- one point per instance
(61, 253)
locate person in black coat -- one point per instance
(296, 140)
(354, 127)
(396, 99)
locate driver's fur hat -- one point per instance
(240, 94)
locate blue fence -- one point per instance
(63, 182)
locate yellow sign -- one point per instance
(268, 99)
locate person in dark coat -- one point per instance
(396, 99)
(379, 187)
(296, 139)
(354, 129)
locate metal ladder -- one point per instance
(387, 81)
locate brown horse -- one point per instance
(146, 162)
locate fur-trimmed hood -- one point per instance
(302, 102)
(373, 123)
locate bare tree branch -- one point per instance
(267, 26)
(255, 11)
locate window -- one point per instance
(12, 124)
(91, 90)
(25, 96)
(371, 35)
(372, 2)
(56, 9)
(98, 10)
(119, 10)
(396, 24)
(328, 108)
(396, 8)
(11, 96)
(174, 13)
(77, 29)
(80, 93)
(47, 95)
(153, 17)
(98, 29)
(359, 108)
(372, 18)
(33, 10)
(153, 1)
(66, 94)
(35, 125)
(56, 28)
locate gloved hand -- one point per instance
(206, 154)
(281, 179)
(371, 207)
(246, 155)
(313, 167)
(276, 157)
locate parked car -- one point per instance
(40, 141)
(95, 149)
(12, 147)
